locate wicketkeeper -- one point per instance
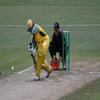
(40, 40)
(56, 43)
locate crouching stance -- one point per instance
(56, 46)
(40, 40)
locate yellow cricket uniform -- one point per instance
(42, 40)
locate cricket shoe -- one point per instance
(36, 78)
(48, 73)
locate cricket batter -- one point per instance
(40, 40)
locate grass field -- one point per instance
(88, 92)
(80, 17)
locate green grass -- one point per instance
(49, 14)
(90, 91)
(85, 3)
(13, 50)
(14, 40)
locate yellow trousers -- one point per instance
(41, 53)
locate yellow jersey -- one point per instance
(39, 34)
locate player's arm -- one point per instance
(33, 32)
(53, 46)
(30, 48)
(31, 39)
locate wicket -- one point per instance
(66, 62)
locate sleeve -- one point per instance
(35, 29)
(53, 45)
(61, 38)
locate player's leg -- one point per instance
(46, 66)
(39, 60)
(38, 66)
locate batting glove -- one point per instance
(33, 52)
(30, 47)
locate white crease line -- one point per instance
(94, 72)
(70, 25)
(24, 70)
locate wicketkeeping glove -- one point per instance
(57, 60)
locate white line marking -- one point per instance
(66, 31)
(94, 72)
(24, 70)
(33, 73)
(70, 25)
(13, 26)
